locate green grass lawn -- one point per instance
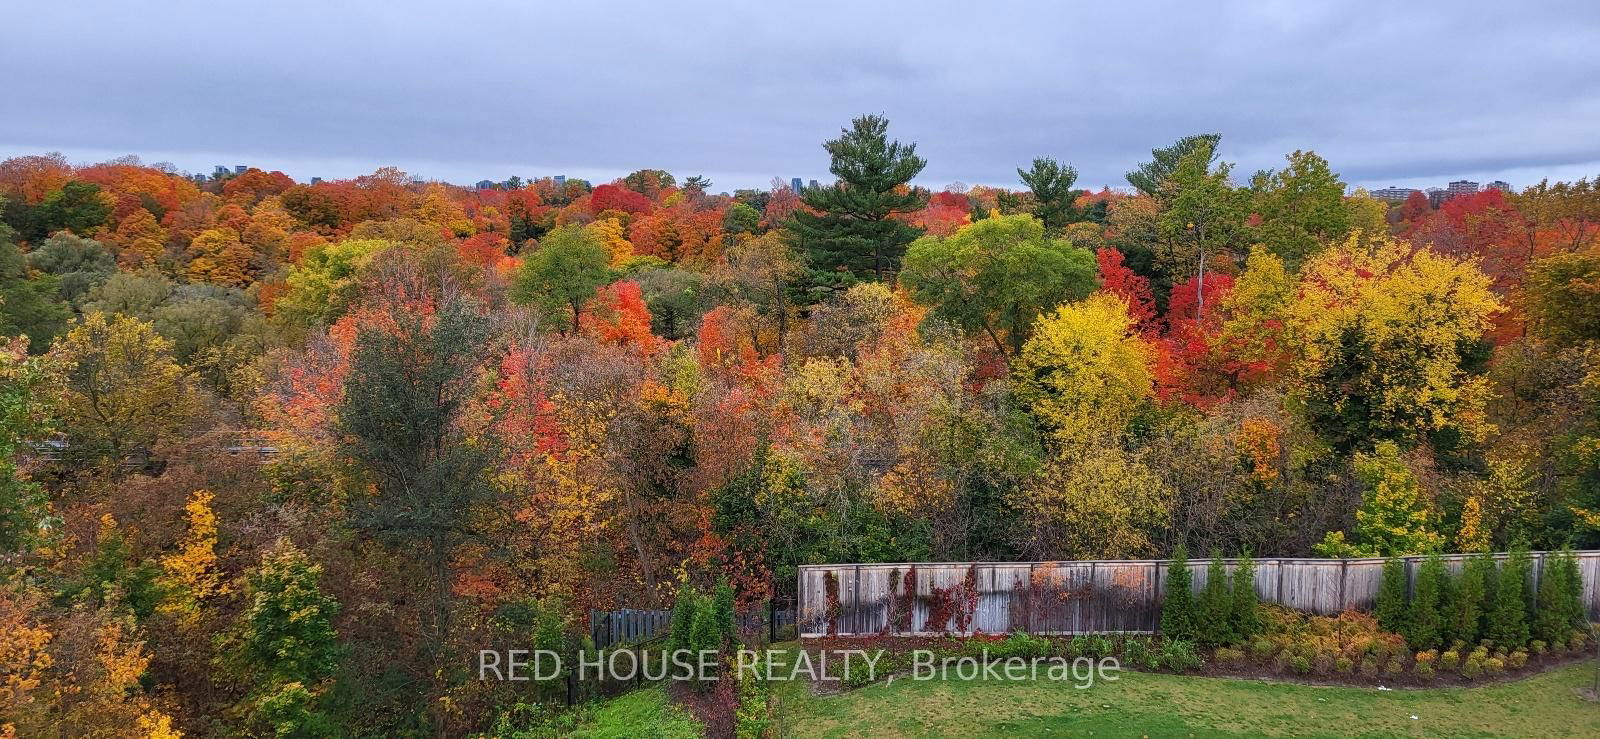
(1157, 705)
(641, 714)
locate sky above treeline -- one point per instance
(1411, 94)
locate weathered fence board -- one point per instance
(1081, 597)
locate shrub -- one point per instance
(1494, 665)
(1019, 644)
(1464, 611)
(1517, 660)
(1473, 668)
(1391, 607)
(1425, 623)
(1428, 657)
(1578, 641)
(1262, 648)
(1214, 624)
(1180, 655)
(1450, 660)
(1177, 604)
(683, 617)
(1423, 671)
(1508, 619)
(1394, 666)
(1560, 597)
(1323, 663)
(1369, 667)
(1229, 655)
(1137, 652)
(1246, 603)
(753, 717)
(722, 613)
(1344, 666)
(1300, 664)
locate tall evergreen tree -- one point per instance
(1163, 162)
(1464, 621)
(1426, 624)
(1508, 619)
(1053, 193)
(1246, 622)
(850, 230)
(1216, 605)
(1392, 600)
(1177, 603)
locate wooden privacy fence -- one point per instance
(1082, 597)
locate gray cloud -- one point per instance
(1388, 92)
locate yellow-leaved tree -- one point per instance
(1084, 372)
(123, 390)
(1391, 345)
(191, 575)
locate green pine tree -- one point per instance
(1246, 621)
(1468, 592)
(1216, 605)
(722, 613)
(1426, 622)
(1177, 604)
(1392, 600)
(1560, 598)
(680, 635)
(1508, 619)
(850, 231)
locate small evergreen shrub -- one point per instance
(1494, 666)
(1300, 664)
(1323, 663)
(1344, 665)
(1423, 671)
(1246, 603)
(1517, 660)
(1450, 660)
(1394, 666)
(1538, 647)
(1137, 652)
(1370, 666)
(1229, 656)
(1262, 648)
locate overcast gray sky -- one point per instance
(1410, 93)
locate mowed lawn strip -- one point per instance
(1159, 705)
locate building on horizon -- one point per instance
(316, 180)
(560, 180)
(485, 185)
(1437, 196)
(240, 168)
(812, 185)
(1461, 187)
(796, 185)
(1500, 185)
(1394, 194)
(220, 172)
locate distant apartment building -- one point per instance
(221, 171)
(1500, 185)
(1461, 187)
(1394, 194)
(240, 168)
(1437, 196)
(316, 180)
(485, 185)
(560, 180)
(796, 185)
(812, 185)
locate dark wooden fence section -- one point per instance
(1081, 597)
(637, 626)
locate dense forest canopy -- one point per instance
(276, 456)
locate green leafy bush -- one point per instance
(1423, 671)
(1180, 655)
(1517, 660)
(1229, 656)
(1262, 648)
(1394, 666)
(1344, 665)
(1494, 665)
(1538, 646)
(1450, 660)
